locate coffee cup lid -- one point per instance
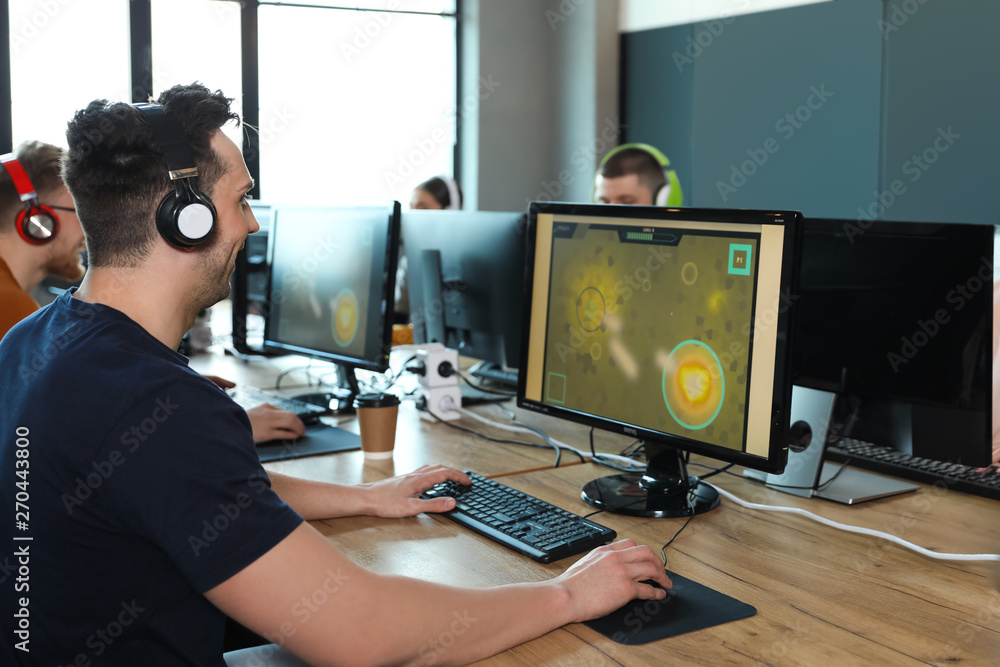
(376, 400)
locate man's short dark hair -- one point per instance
(116, 171)
(635, 161)
(41, 163)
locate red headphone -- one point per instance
(36, 224)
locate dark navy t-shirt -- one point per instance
(139, 490)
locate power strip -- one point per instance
(439, 390)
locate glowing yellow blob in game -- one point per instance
(693, 384)
(345, 317)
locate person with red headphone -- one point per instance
(40, 235)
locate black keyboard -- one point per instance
(886, 460)
(521, 522)
(491, 372)
(248, 397)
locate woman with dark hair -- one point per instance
(439, 192)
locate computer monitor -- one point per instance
(896, 318)
(249, 286)
(668, 325)
(464, 271)
(331, 281)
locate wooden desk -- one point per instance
(418, 441)
(824, 597)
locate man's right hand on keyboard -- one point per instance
(271, 423)
(609, 577)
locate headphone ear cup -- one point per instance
(662, 195)
(185, 218)
(37, 224)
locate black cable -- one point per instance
(600, 460)
(716, 471)
(480, 387)
(777, 486)
(663, 550)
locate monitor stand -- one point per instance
(806, 474)
(339, 399)
(663, 491)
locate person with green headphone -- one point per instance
(637, 174)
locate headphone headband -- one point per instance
(668, 194)
(656, 153)
(173, 143)
(23, 185)
(185, 217)
(454, 199)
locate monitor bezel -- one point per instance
(421, 229)
(380, 363)
(782, 391)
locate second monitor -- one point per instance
(464, 275)
(332, 272)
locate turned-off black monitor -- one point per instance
(332, 275)
(897, 319)
(465, 274)
(665, 324)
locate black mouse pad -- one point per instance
(688, 606)
(319, 439)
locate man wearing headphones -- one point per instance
(638, 175)
(151, 509)
(40, 235)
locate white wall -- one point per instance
(540, 81)
(635, 15)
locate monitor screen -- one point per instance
(897, 318)
(464, 271)
(332, 274)
(670, 325)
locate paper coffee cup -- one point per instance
(377, 417)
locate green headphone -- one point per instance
(669, 194)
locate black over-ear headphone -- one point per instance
(37, 224)
(186, 217)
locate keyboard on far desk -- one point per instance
(248, 397)
(491, 372)
(521, 522)
(886, 460)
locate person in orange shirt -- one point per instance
(40, 235)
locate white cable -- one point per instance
(558, 443)
(855, 529)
